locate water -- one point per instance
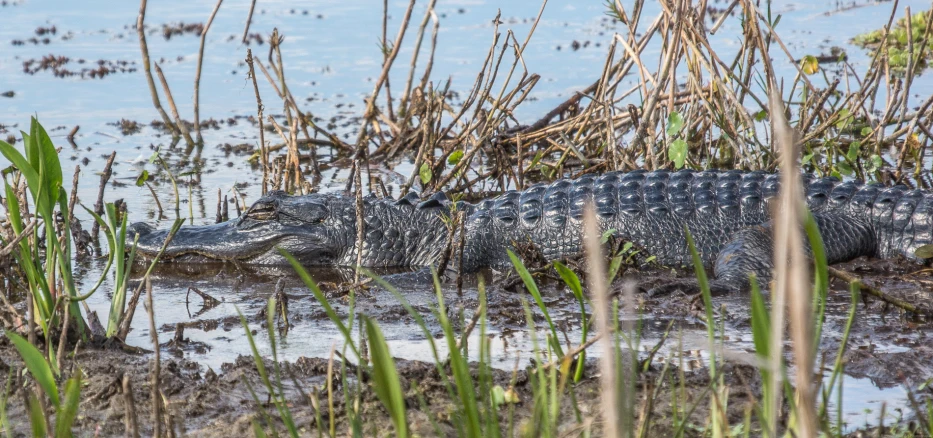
(332, 59)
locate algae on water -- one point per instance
(898, 50)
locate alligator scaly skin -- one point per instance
(726, 212)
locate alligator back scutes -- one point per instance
(653, 208)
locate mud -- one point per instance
(888, 346)
(207, 402)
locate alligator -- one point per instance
(726, 212)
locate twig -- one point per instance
(878, 293)
(141, 31)
(99, 205)
(8, 249)
(370, 111)
(156, 367)
(249, 19)
(171, 104)
(263, 151)
(129, 409)
(197, 72)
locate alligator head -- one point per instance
(317, 229)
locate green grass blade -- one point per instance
(460, 368)
(385, 377)
(707, 299)
(36, 417)
(573, 282)
(820, 275)
(257, 430)
(570, 279)
(37, 366)
(419, 320)
(536, 294)
(68, 411)
(260, 366)
(322, 300)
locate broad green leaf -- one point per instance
(876, 163)
(37, 366)
(142, 178)
(49, 156)
(570, 279)
(385, 378)
(761, 115)
(21, 163)
(845, 118)
(678, 153)
(852, 154)
(675, 123)
(455, 157)
(425, 173)
(866, 131)
(606, 235)
(498, 395)
(844, 168)
(69, 408)
(924, 251)
(809, 65)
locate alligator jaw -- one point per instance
(218, 242)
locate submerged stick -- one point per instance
(878, 293)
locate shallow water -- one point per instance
(331, 57)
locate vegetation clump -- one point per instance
(898, 43)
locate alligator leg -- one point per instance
(751, 251)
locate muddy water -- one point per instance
(331, 60)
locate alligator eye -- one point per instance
(262, 212)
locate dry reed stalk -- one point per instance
(156, 366)
(293, 165)
(263, 150)
(171, 103)
(197, 72)
(131, 424)
(791, 276)
(144, 48)
(596, 280)
(791, 284)
(249, 19)
(370, 110)
(414, 55)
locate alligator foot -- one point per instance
(692, 287)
